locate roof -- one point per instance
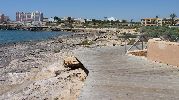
(151, 18)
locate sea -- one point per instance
(7, 36)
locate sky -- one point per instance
(120, 9)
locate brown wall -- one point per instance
(164, 52)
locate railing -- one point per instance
(139, 41)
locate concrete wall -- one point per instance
(164, 52)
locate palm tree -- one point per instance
(173, 16)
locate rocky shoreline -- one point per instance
(47, 70)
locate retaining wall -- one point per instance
(164, 52)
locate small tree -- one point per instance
(56, 18)
(69, 19)
(132, 20)
(156, 16)
(124, 21)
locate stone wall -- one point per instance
(138, 53)
(163, 52)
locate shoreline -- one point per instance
(25, 65)
(34, 67)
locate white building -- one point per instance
(29, 17)
(45, 20)
(80, 20)
(37, 16)
(89, 20)
(111, 19)
(51, 19)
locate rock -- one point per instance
(71, 62)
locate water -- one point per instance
(21, 36)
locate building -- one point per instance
(89, 20)
(23, 17)
(29, 17)
(45, 20)
(177, 23)
(159, 22)
(20, 16)
(166, 22)
(151, 22)
(2, 18)
(79, 20)
(6, 18)
(51, 19)
(37, 16)
(111, 19)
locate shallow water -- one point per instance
(21, 36)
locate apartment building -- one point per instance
(2, 17)
(29, 17)
(151, 22)
(37, 16)
(158, 22)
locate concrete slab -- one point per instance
(115, 76)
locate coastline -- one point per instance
(13, 41)
(31, 70)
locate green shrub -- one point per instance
(86, 42)
(159, 31)
(131, 42)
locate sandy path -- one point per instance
(115, 76)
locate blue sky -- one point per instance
(122, 9)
